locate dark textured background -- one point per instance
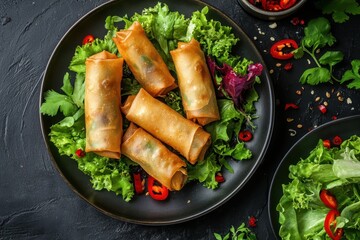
(36, 203)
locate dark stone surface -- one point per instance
(36, 203)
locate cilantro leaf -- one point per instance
(64, 103)
(314, 76)
(318, 34)
(353, 74)
(340, 9)
(331, 58)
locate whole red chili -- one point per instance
(88, 39)
(322, 109)
(156, 190)
(282, 49)
(80, 153)
(138, 183)
(337, 141)
(330, 225)
(252, 221)
(245, 135)
(291, 106)
(327, 143)
(328, 199)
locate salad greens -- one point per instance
(301, 211)
(318, 35)
(217, 41)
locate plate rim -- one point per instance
(265, 77)
(294, 146)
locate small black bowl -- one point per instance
(270, 15)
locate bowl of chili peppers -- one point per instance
(271, 9)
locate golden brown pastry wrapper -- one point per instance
(195, 83)
(167, 125)
(158, 161)
(103, 120)
(144, 60)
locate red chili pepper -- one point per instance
(252, 221)
(285, 4)
(277, 49)
(156, 190)
(327, 143)
(330, 225)
(219, 178)
(88, 39)
(245, 135)
(80, 153)
(288, 66)
(328, 199)
(291, 105)
(337, 141)
(322, 109)
(138, 183)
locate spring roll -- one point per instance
(144, 60)
(195, 83)
(158, 161)
(167, 125)
(103, 120)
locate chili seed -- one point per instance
(325, 104)
(278, 64)
(292, 132)
(327, 94)
(299, 126)
(273, 25)
(348, 101)
(340, 98)
(317, 99)
(298, 92)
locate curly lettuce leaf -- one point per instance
(113, 175)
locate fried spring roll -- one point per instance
(158, 161)
(195, 83)
(170, 127)
(103, 120)
(144, 60)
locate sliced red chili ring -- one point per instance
(327, 143)
(285, 4)
(88, 39)
(219, 178)
(245, 135)
(277, 50)
(328, 199)
(138, 183)
(330, 225)
(156, 190)
(337, 141)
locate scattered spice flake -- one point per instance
(292, 132)
(298, 92)
(219, 178)
(272, 39)
(299, 126)
(334, 117)
(317, 50)
(252, 221)
(295, 21)
(312, 92)
(80, 153)
(322, 109)
(271, 71)
(288, 66)
(327, 143)
(308, 61)
(348, 101)
(255, 38)
(188, 201)
(291, 106)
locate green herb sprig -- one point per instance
(317, 35)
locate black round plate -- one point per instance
(344, 127)
(193, 200)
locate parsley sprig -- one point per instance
(240, 233)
